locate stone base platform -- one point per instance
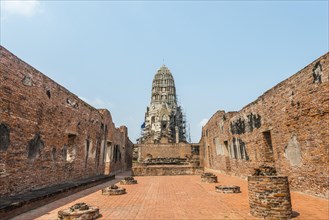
(166, 170)
(113, 190)
(227, 189)
(79, 211)
(15, 205)
(128, 181)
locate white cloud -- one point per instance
(203, 122)
(25, 8)
(97, 102)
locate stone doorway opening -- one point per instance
(227, 158)
(269, 155)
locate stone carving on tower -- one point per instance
(164, 120)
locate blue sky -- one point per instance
(222, 54)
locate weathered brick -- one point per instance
(50, 136)
(286, 128)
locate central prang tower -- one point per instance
(164, 121)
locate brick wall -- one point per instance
(165, 150)
(48, 135)
(162, 170)
(286, 127)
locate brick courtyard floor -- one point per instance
(176, 197)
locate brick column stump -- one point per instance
(269, 197)
(209, 178)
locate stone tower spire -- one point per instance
(163, 87)
(164, 122)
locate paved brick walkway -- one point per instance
(176, 197)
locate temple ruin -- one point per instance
(53, 144)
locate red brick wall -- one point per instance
(292, 117)
(165, 170)
(40, 122)
(164, 150)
